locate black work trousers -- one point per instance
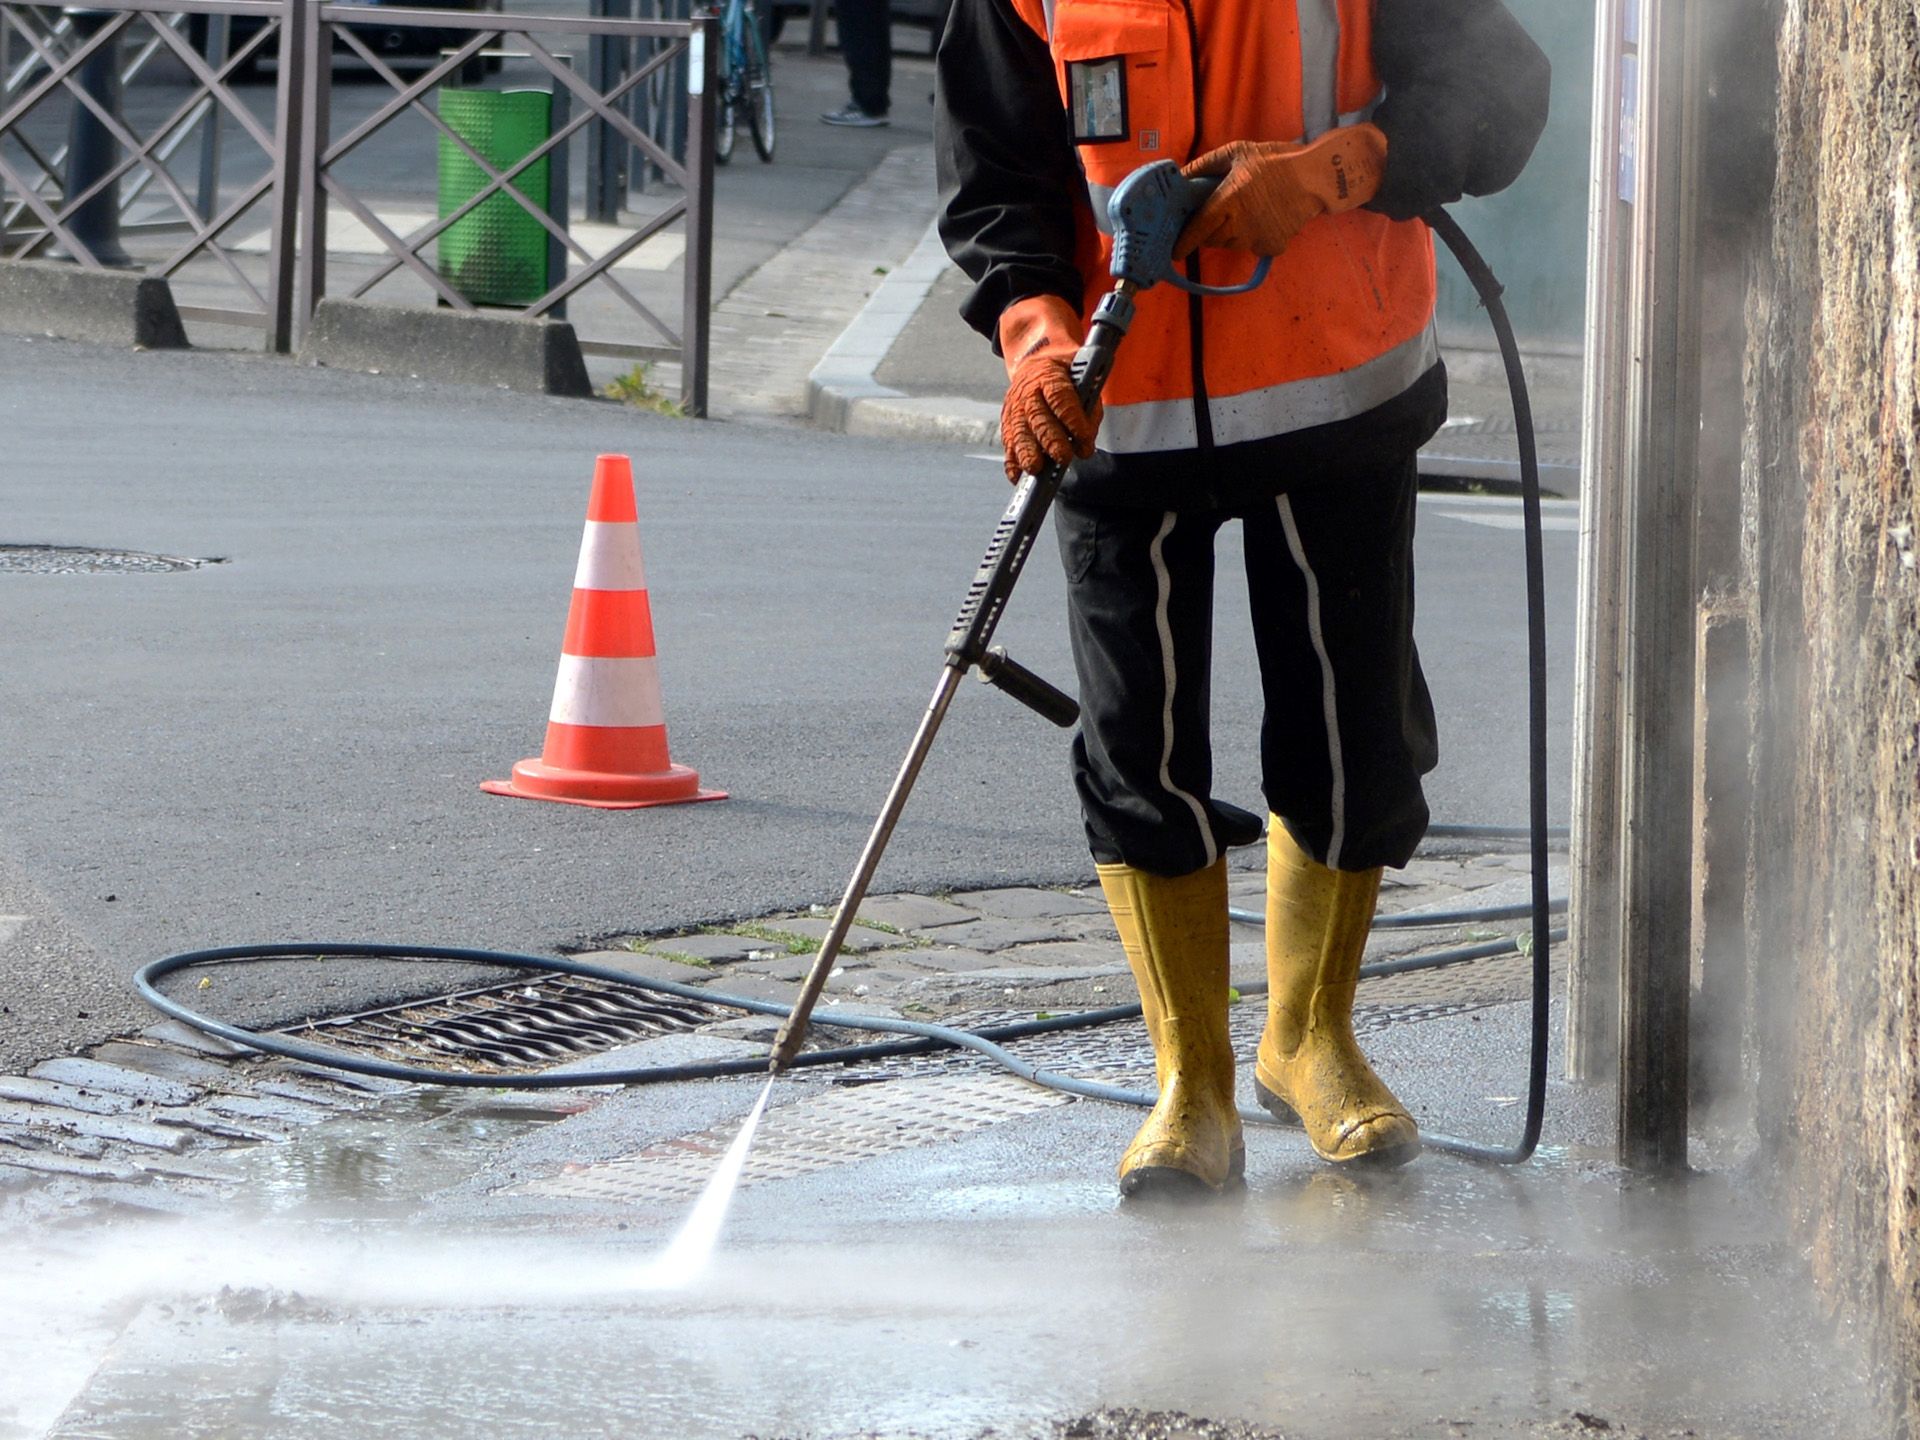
(865, 28)
(1349, 726)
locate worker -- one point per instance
(1297, 409)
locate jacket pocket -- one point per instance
(1124, 83)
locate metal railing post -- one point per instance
(608, 59)
(219, 33)
(314, 55)
(288, 119)
(703, 43)
(6, 91)
(559, 183)
(91, 148)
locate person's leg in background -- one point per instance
(866, 43)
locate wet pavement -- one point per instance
(988, 1284)
(920, 1248)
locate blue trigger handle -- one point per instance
(1146, 213)
(1194, 287)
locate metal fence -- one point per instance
(615, 169)
(65, 200)
(318, 202)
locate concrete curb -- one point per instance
(842, 393)
(104, 307)
(508, 352)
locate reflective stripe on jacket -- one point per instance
(1345, 320)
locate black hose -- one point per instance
(926, 1037)
(1488, 288)
(1430, 919)
(930, 1037)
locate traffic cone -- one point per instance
(606, 736)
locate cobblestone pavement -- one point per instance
(967, 952)
(134, 1117)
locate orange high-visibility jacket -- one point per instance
(1345, 319)
(1045, 105)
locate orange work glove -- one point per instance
(1273, 188)
(1042, 417)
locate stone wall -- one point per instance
(1828, 520)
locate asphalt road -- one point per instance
(289, 744)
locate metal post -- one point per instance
(6, 94)
(1657, 702)
(315, 57)
(91, 148)
(703, 46)
(289, 117)
(219, 30)
(1593, 981)
(608, 60)
(558, 181)
(678, 111)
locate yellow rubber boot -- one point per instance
(1175, 934)
(1310, 1067)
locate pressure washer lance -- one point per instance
(1147, 213)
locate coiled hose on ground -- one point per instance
(924, 1037)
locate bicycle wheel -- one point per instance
(759, 97)
(732, 80)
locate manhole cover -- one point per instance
(81, 560)
(817, 1133)
(520, 1025)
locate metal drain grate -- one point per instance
(818, 1133)
(82, 560)
(520, 1025)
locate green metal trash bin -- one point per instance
(497, 253)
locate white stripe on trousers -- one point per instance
(1170, 676)
(1327, 701)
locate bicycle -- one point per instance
(746, 80)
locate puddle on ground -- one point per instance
(379, 1163)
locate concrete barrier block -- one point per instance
(538, 355)
(105, 307)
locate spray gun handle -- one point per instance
(1146, 213)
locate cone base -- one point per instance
(534, 779)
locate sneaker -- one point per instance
(851, 114)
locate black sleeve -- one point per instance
(1466, 100)
(1009, 181)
